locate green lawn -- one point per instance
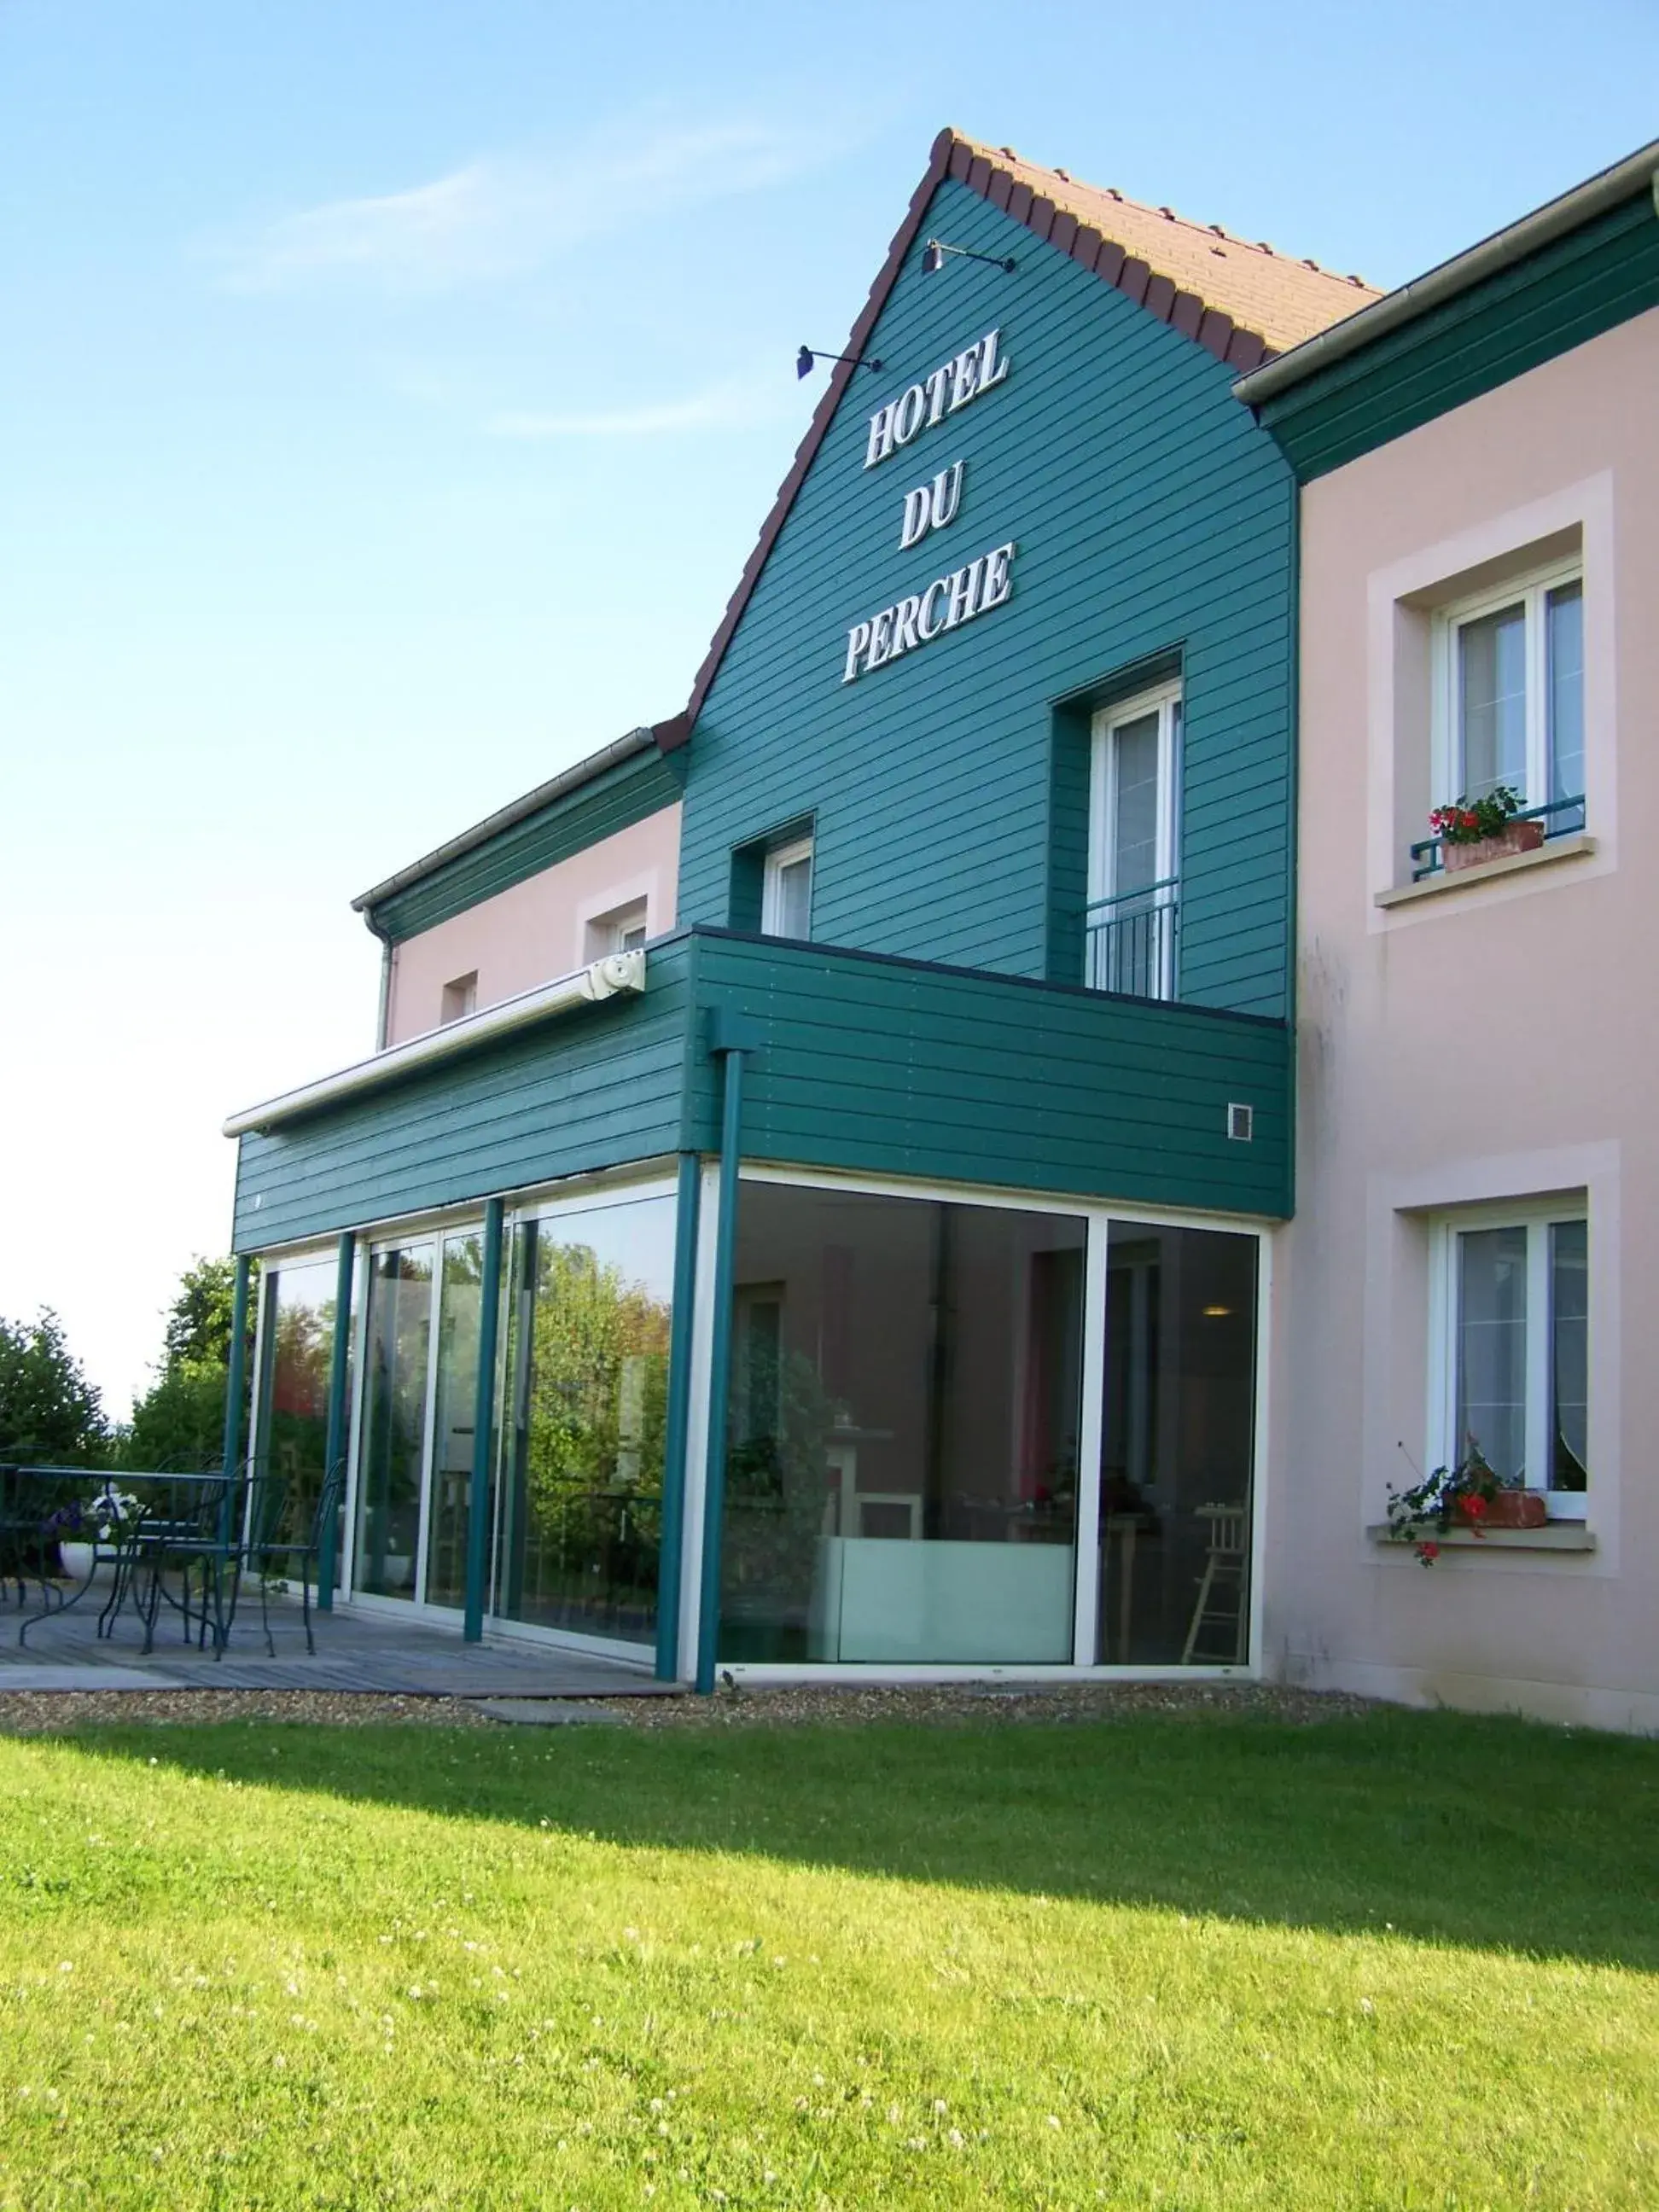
(1403, 1960)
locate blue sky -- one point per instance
(392, 395)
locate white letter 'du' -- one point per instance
(917, 505)
(946, 495)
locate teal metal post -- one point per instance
(731, 1038)
(671, 1552)
(483, 1421)
(236, 1380)
(334, 1450)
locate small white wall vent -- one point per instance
(1241, 1123)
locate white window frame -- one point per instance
(780, 858)
(1530, 589)
(1165, 700)
(1442, 1445)
(457, 1001)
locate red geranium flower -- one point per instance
(1428, 1553)
(1474, 1505)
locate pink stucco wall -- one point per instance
(1491, 1043)
(538, 929)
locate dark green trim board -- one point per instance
(874, 1064)
(236, 1381)
(483, 1427)
(1533, 311)
(339, 1410)
(624, 795)
(1148, 513)
(677, 1425)
(729, 1044)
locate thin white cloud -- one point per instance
(493, 218)
(723, 407)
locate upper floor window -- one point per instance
(1510, 696)
(786, 891)
(1134, 846)
(460, 999)
(622, 930)
(1513, 1349)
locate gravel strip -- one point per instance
(981, 1704)
(54, 1712)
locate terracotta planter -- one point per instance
(1510, 1509)
(1515, 837)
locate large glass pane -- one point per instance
(394, 1422)
(1177, 1447)
(1492, 1349)
(1134, 827)
(1569, 1355)
(580, 1509)
(1565, 638)
(297, 1355)
(795, 897)
(460, 1301)
(902, 1472)
(1491, 676)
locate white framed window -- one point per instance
(1508, 695)
(460, 999)
(1510, 1348)
(787, 889)
(1134, 833)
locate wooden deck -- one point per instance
(356, 1650)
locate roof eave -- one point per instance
(1446, 282)
(571, 778)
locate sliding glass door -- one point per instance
(460, 1304)
(392, 1453)
(579, 1514)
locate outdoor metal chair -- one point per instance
(274, 1544)
(197, 1532)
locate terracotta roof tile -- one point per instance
(1280, 300)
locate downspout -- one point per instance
(671, 1549)
(383, 1017)
(732, 1037)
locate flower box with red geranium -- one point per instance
(1473, 831)
(1471, 1495)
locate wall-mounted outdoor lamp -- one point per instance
(934, 254)
(806, 357)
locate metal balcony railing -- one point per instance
(1131, 941)
(1561, 817)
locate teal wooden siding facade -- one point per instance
(1569, 291)
(881, 1065)
(614, 800)
(1153, 518)
(891, 1066)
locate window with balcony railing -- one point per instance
(1132, 923)
(1509, 703)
